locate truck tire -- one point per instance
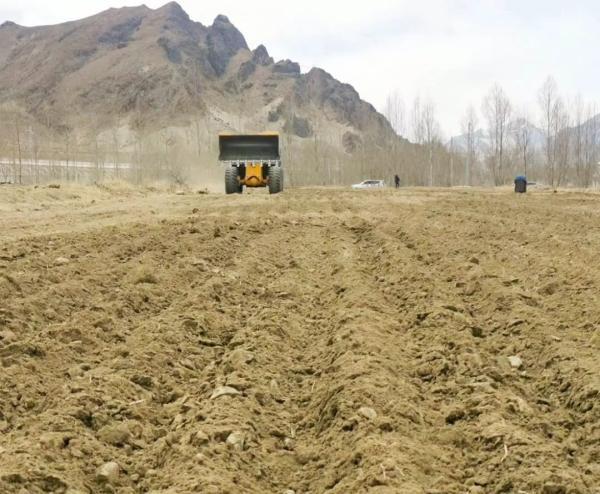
(232, 184)
(275, 179)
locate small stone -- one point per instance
(61, 261)
(143, 381)
(236, 440)
(75, 372)
(289, 444)
(289, 491)
(239, 358)
(109, 472)
(238, 382)
(188, 364)
(224, 391)
(368, 413)
(76, 453)
(52, 440)
(476, 489)
(200, 438)
(276, 391)
(115, 435)
(7, 336)
(471, 288)
(515, 362)
(172, 438)
(76, 345)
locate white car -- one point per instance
(370, 184)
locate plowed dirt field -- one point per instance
(319, 341)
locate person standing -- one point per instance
(397, 181)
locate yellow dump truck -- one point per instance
(251, 160)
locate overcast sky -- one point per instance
(451, 51)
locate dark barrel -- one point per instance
(521, 184)
(248, 147)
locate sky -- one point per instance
(448, 51)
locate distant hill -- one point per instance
(483, 142)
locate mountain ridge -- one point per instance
(157, 67)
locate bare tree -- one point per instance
(395, 111)
(578, 140)
(17, 118)
(426, 133)
(523, 145)
(590, 143)
(116, 145)
(551, 107)
(563, 143)
(67, 134)
(469, 127)
(416, 117)
(432, 132)
(497, 110)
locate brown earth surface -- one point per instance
(320, 341)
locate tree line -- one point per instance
(557, 144)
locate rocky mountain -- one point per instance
(142, 70)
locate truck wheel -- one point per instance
(232, 184)
(275, 179)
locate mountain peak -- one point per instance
(174, 10)
(9, 24)
(224, 41)
(221, 19)
(261, 56)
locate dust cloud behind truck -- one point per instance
(251, 160)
